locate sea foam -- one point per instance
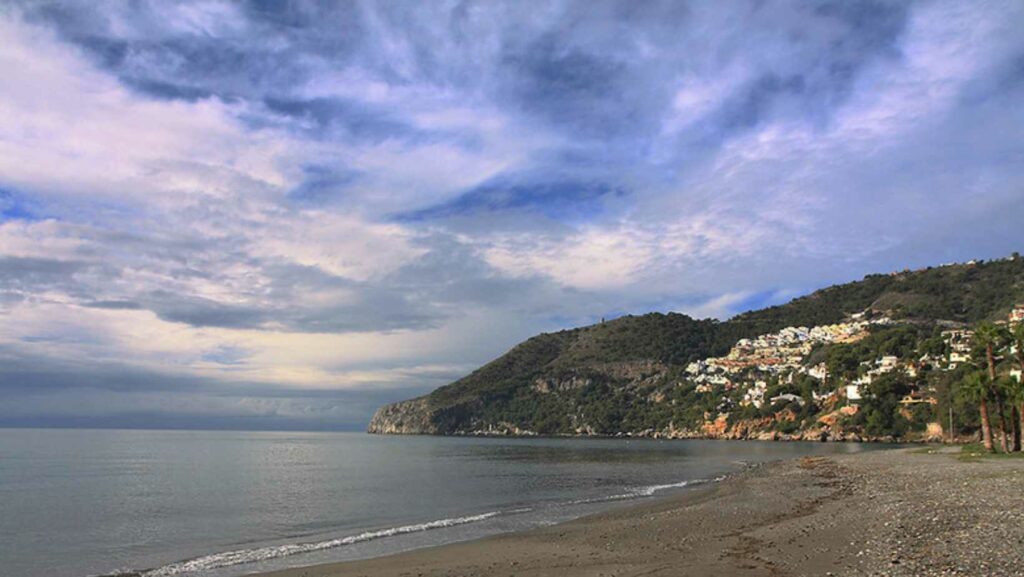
(241, 556)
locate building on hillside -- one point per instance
(886, 364)
(957, 358)
(823, 398)
(959, 342)
(818, 371)
(880, 367)
(853, 393)
(1015, 374)
(789, 398)
(917, 397)
(958, 339)
(696, 367)
(755, 395)
(1017, 314)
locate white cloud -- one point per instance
(466, 140)
(590, 260)
(66, 128)
(407, 177)
(593, 258)
(720, 307)
(341, 245)
(700, 95)
(946, 45)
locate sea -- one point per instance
(78, 503)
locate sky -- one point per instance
(280, 215)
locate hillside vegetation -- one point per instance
(629, 375)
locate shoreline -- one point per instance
(891, 512)
(808, 436)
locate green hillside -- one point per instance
(627, 375)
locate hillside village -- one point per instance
(751, 362)
(753, 367)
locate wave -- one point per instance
(242, 556)
(259, 554)
(644, 491)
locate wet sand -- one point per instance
(896, 512)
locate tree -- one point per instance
(1017, 334)
(975, 388)
(992, 338)
(1013, 391)
(881, 406)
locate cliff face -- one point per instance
(412, 417)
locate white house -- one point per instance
(853, 392)
(956, 358)
(887, 363)
(818, 371)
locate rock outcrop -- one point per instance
(412, 417)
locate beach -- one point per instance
(898, 512)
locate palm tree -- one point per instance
(992, 337)
(1003, 390)
(1017, 334)
(975, 389)
(1015, 394)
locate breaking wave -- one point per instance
(645, 491)
(241, 556)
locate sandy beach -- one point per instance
(898, 512)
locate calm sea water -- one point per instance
(75, 503)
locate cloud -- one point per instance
(277, 214)
(590, 259)
(68, 129)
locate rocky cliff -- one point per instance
(412, 417)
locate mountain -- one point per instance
(644, 375)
